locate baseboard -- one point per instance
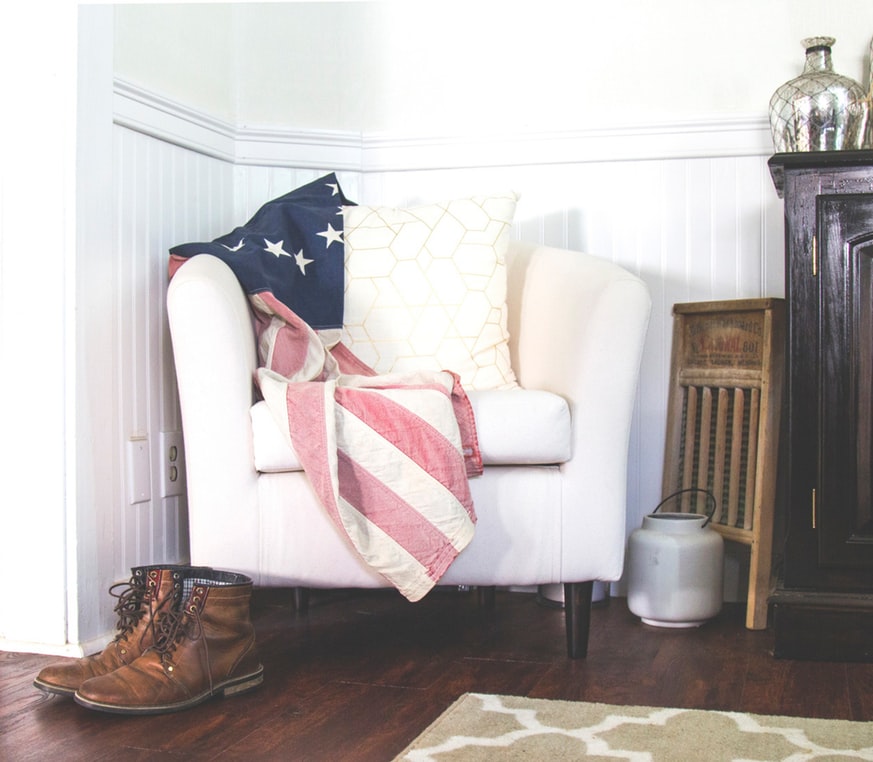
(74, 650)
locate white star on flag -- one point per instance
(334, 187)
(235, 248)
(332, 235)
(276, 248)
(301, 261)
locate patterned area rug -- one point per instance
(483, 727)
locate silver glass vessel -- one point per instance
(820, 110)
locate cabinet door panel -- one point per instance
(844, 503)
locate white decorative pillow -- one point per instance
(426, 288)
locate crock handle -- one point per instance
(692, 489)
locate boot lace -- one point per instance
(175, 626)
(172, 627)
(129, 607)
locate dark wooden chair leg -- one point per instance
(486, 596)
(577, 612)
(301, 599)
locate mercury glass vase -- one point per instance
(820, 110)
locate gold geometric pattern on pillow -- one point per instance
(426, 288)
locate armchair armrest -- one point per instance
(577, 325)
(214, 352)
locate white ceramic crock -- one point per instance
(675, 570)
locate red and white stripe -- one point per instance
(388, 456)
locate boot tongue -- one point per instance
(153, 583)
(163, 583)
(196, 598)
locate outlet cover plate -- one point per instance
(139, 470)
(172, 464)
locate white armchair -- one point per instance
(551, 500)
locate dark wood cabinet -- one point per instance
(823, 602)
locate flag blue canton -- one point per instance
(293, 248)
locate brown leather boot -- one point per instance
(204, 648)
(149, 590)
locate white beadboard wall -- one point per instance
(689, 208)
(165, 194)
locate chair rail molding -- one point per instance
(706, 137)
(159, 117)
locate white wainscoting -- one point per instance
(165, 194)
(690, 208)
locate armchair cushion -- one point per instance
(514, 426)
(426, 288)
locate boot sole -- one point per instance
(57, 690)
(232, 687)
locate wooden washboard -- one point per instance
(726, 380)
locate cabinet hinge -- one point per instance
(813, 508)
(814, 256)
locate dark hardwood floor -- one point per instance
(363, 673)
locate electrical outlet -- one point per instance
(139, 470)
(172, 464)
